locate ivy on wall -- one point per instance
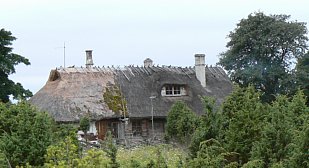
(115, 100)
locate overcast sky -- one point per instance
(126, 32)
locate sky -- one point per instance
(125, 32)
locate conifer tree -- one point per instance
(244, 113)
(277, 134)
(25, 134)
(181, 122)
(209, 125)
(8, 61)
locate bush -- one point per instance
(25, 134)
(181, 122)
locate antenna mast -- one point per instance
(64, 54)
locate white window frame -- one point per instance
(173, 90)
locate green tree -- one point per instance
(212, 154)
(254, 164)
(62, 130)
(111, 150)
(245, 114)
(299, 147)
(261, 50)
(302, 74)
(3, 160)
(181, 122)
(209, 125)
(298, 110)
(84, 125)
(277, 135)
(63, 154)
(25, 134)
(8, 61)
(93, 158)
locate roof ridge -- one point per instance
(131, 65)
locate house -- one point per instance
(131, 100)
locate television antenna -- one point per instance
(63, 53)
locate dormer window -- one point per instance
(173, 90)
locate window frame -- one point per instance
(137, 128)
(172, 90)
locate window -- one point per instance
(137, 128)
(173, 90)
(169, 90)
(113, 128)
(176, 90)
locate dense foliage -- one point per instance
(111, 150)
(302, 74)
(242, 132)
(243, 114)
(245, 132)
(256, 134)
(208, 125)
(181, 122)
(115, 100)
(25, 134)
(8, 61)
(261, 52)
(84, 124)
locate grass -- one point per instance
(143, 155)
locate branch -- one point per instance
(10, 166)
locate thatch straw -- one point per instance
(71, 93)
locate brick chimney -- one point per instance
(89, 61)
(200, 68)
(148, 62)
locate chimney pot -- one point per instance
(148, 62)
(89, 61)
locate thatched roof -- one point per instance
(71, 93)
